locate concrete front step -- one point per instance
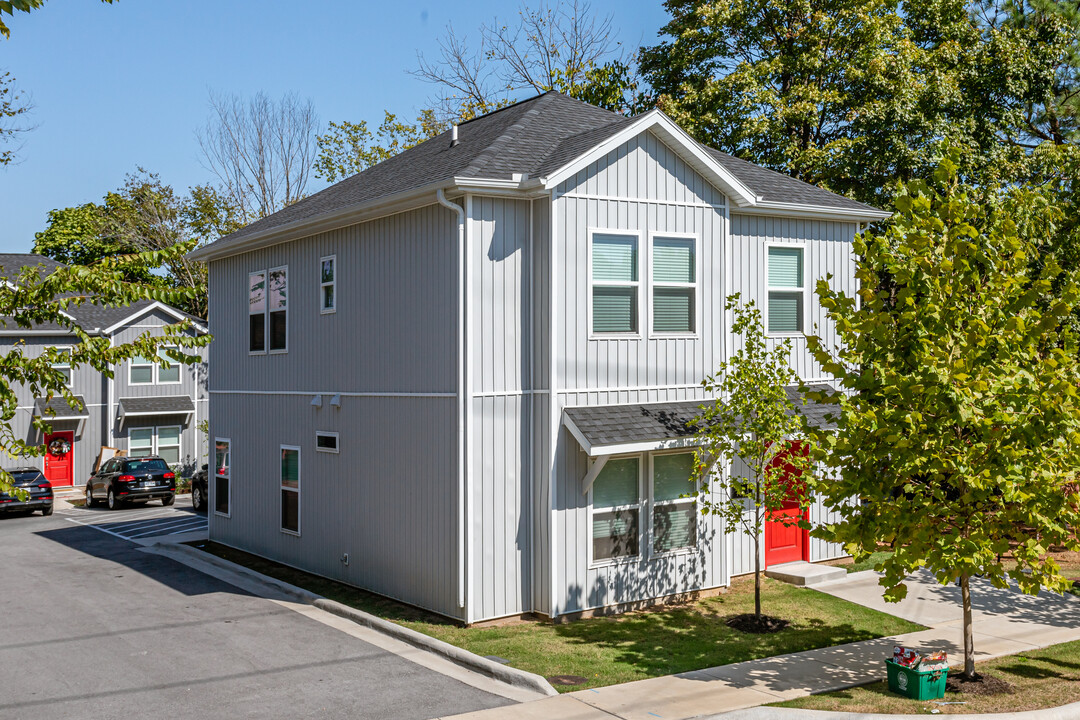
(804, 573)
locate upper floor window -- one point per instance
(278, 296)
(169, 373)
(63, 364)
(141, 371)
(144, 372)
(787, 289)
(328, 284)
(257, 312)
(674, 285)
(614, 283)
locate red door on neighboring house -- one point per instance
(59, 466)
(786, 543)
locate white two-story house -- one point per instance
(462, 378)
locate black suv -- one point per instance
(123, 479)
(40, 491)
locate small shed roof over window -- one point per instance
(156, 405)
(57, 408)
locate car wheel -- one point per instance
(47, 510)
(197, 499)
(168, 500)
(112, 502)
(90, 501)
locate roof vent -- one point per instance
(453, 136)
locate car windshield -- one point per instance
(143, 465)
(25, 476)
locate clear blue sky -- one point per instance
(115, 87)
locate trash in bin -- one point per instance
(919, 682)
(905, 656)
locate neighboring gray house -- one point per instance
(144, 409)
(461, 378)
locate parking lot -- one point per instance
(141, 523)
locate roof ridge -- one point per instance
(496, 111)
(489, 153)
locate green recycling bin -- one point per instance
(916, 684)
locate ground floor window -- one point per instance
(221, 475)
(290, 489)
(162, 440)
(620, 497)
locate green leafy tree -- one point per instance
(958, 411)
(8, 7)
(348, 148)
(34, 298)
(752, 422)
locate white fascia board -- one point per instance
(160, 412)
(673, 135)
(780, 209)
(585, 444)
(41, 333)
(149, 308)
(644, 446)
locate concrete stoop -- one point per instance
(805, 574)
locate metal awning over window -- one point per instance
(160, 405)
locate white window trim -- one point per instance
(606, 562)
(131, 367)
(653, 504)
(696, 285)
(643, 314)
(71, 371)
(227, 476)
(282, 488)
(284, 350)
(805, 289)
(324, 433)
(331, 284)
(155, 444)
(265, 314)
(179, 369)
(153, 439)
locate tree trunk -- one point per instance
(969, 636)
(757, 579)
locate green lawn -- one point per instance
(627, 647)
(1041, 678)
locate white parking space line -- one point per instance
(140, 524)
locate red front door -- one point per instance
(59, 466)
(784, 540)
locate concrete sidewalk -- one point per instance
(1006, 622)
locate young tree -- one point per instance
(261, 150)
(34, 298)
(752, 421)
(958, 411)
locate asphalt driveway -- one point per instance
(94, 628)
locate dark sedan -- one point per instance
(39, 490)
(122, 480)
(199, 487)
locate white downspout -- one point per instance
(441, 197)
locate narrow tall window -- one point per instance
(168, 374)
(221, 476)
(257, 312)
(168, 444)
(141, 371)
(63, 365)
(140, 442)
(616, 505)
(674, 285)
(786, 289)
(674, 520)
(614, 284)
(290, 489)
(328, 284)
(278, 306)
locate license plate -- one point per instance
(148, 483)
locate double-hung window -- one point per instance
(221, 475)
(278, 297)
(614, 284)
(168, 374)
(616, 508)
(257, 312)
(63, 365)
(141, 442)
(674, 285)
(290, 489)
(328, 284)
(163, 441)
(674, 508)
(141, 371)
(168, 444)
(787, 289)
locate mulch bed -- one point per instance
(983, 684)
(750, 623)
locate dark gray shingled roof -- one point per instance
(534, 137)
(632, 423)
(60, 410)
(157, 405)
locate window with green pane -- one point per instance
(674, 515)
(168, 444)
(140, 442)
(168, 373)
(674, 275)
(290, 489)
(616, 504)
(786, 289)
(141, 371)
(614, 283)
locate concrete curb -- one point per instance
(1064, 712)
(502, 673)
(470, 661)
